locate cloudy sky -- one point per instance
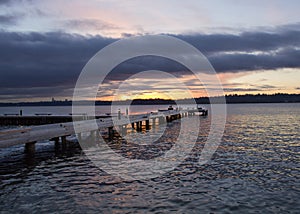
(254, 46)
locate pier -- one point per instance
(58, 132)
(42, 119)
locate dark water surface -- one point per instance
(256, 169)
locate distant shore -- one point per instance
(230, 99)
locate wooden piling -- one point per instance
(110, 132)
(147, 125)
(119, 114)
(30, 147)
(139, 126)
(56, 141)
(63, 141)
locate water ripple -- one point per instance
(255, 170)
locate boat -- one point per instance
(202, 111)
(170, 108)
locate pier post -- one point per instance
(147, 125)
(119, 114)
(63, 142)
(139, 126)
(56, 142)
(110, 132)
(30, 147)
(169, 118)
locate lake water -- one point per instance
(256, 169)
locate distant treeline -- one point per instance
(248, 98)
(263, 98)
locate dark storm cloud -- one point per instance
(9, 19)
(5, 2)
(285, 58)
(283, 36)
(235, 53)
(250, 50)
(47, 60)
(55, 59)
(146, 63)
(50, 59)
(10, 2)
(35, 92)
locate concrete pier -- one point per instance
(30, 135)
(41, 119)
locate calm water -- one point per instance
(256, 169)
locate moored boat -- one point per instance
(170, 108)
(202, 111)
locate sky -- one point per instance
(254, 46)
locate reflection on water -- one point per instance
(255, 169)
